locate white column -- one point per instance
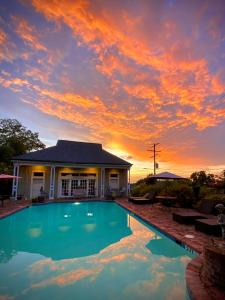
(52, 183)
(14, 180)
(16, 171)
(102, 182)
(128, 184)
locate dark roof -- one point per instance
(73, 152)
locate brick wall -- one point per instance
(214, 265)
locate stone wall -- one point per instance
(214, 265)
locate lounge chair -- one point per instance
(148, 198)
(189, 217)
(209, 226)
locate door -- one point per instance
(36, 186)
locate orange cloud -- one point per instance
(3, 36)
(152, 84)
(38, 74)
(28, 33)
(7, 47)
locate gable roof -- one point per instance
(75, 153)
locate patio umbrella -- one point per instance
(5, 176)
(166, 175)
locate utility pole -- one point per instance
(154, 154)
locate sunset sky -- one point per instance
(122, 73)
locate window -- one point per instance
(114, 181)
(72, 183)
(65, 174)
(65, 187)
(38, 174)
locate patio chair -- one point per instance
(148, 198)
(140, 197)
(188, 217)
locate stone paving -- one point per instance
(11, 206)
(160, 217)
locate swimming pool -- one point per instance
(87, 250)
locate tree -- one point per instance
(199, 178)
(221, 181)
(15, 139)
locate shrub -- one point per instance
(180, 189)
(218, 198)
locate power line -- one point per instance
(154, 155)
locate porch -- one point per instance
(56, 181)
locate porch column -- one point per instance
(52, 183)
(16, 170)
(102, 182)
(128, 183)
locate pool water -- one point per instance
(88, 250)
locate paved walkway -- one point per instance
(11, 206)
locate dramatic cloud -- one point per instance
(126, 74)
(28, 33)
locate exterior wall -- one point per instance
(25, 183)
(123, 179)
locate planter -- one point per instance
(214, 264)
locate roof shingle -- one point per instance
(75, 153)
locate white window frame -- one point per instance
(38, 177)
(118, 180)
(70, 178)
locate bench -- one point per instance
(79, 193)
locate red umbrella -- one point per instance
(5, 176)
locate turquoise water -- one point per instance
(90, 250)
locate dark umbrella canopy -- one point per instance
(166, 175)
(5, 176)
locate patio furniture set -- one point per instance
(203, 219)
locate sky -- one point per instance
(126, 74)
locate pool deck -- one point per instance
(161, 218)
